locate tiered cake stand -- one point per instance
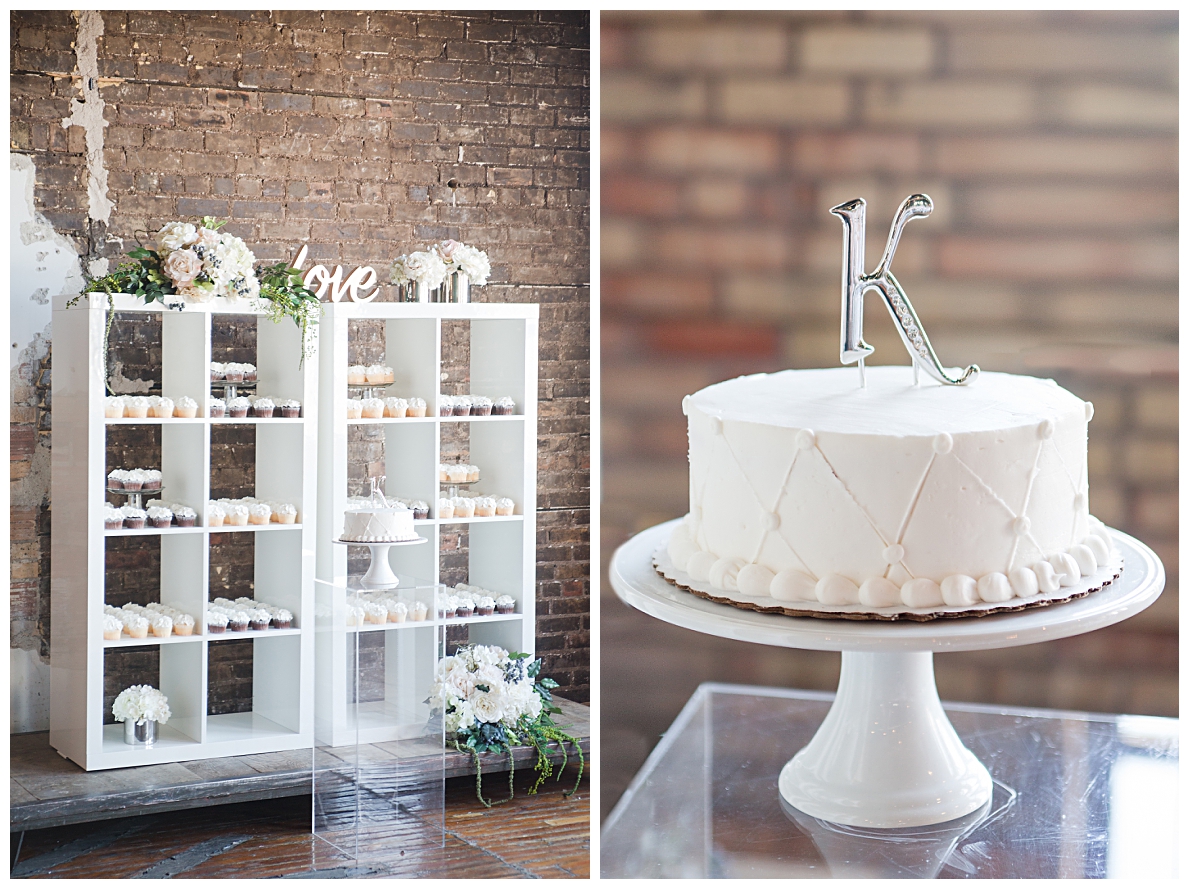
(886, 755)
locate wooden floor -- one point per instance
(541, 836)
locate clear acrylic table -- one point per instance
(1075, 795)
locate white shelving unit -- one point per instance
(501, 549)
(286, 468)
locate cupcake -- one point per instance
(285, 514)
(356, 375)
(462, 405)
(152, 480)
(237, 621)
(290, 409)
(185, 517)
(185, 407)
(216, 370)
(505, 605)
(235, 514)
(259, 514)
(249, 373)
(133, 479)
(485, 506)
(354, 409)
(445, 508)
(356, 616)
(504, 506)
(395, 407)
(485, 606)
(134, 518)
(259, 619)
(416, 407)
(160, 407)
(379, 375)
(420, 509)
(238, 407)
(443, 472)
(445, 405)
(162, 626)
(282, 618)
(472, 472)
(480, 406)
(263, 407)
(183, 625)
(160, 517)
(135, 625)
(233, 372)
(465, 607)
(115, 479)
(397, 612)
(503, 406)
(456, 472)
(216, 621)
(420, 610)
(214, 514)
(113, 519)
(113, 627)
(136, 406)
(372, 408)
(217, 407)
(113, 406)
(464, 507)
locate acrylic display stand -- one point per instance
(379, 757)
(282, 716)
(886, 755)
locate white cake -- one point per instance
(371, 524)
(806, 488)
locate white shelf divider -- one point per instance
(283, 671)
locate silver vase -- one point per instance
(415, 292)
(458, 287)
(142, 734)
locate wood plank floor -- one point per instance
(541, 836)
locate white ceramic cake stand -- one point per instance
(886, 755)
(380, 574)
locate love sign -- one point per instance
(320, 281)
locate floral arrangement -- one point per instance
(458, 257)
(141, 703)
(424, 266)
(490, 700)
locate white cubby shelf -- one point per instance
(501, 554)
(284, 555)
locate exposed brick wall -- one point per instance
(1048, 142)
(341, 130)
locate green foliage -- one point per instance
(286, 296)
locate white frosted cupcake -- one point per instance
(480, 406)
(416, 407)
(136, 406)
(504, 506)
(505, 605)
(185, 407)
(445, 508)
(115, 479)
(183, 625)
(420, 611)
(263, 407)
(161, 625)
(259, 618)
(375, 614)
(151, 479)
(236, 513)
(216, 370)
(379, 375)
(184, 516)
(395, 407)
(238, 406)
(356, 375)
(472, 472)
(456, 472)
(113, 407)
(113, 519)
(161, 407)
(354, 408)
(290, 408)
(134, 518)
(233, 372)
(113, 627)
(214, 514)
(216, 621)
(397, 612)
(285, 514)
(282, 618)
(462, 405)
(135, 625)
(464, 507)
(237, 621)
(160, 516)
(446, 405)
(485, 506)
(217, 407)
(372, 408)
(485, 606)
(503, 406)
(259, 514)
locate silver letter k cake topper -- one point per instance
(855, 284)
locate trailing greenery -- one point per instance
(286, 297)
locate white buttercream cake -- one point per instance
(367, 523)
(807, 488)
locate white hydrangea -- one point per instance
(141, 703)
(474, 263)
(423, 266)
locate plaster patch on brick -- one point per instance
(29, 711)
(122, 385)
(88, 113)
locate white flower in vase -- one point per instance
(175, 236)
(141, 703)
(422, 266)
(474, 263)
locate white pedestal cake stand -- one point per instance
(379, 574)
(886, 755)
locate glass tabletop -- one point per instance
(1076, 795)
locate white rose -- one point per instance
(488, 706)
(182, 267)
(174, 236)
(474, 263)
(445, 251)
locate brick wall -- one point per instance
(1048, 142)
(342, 130)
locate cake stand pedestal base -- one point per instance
(379, 574)
(886, 754)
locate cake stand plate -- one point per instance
(379, 574)
(886, 755)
